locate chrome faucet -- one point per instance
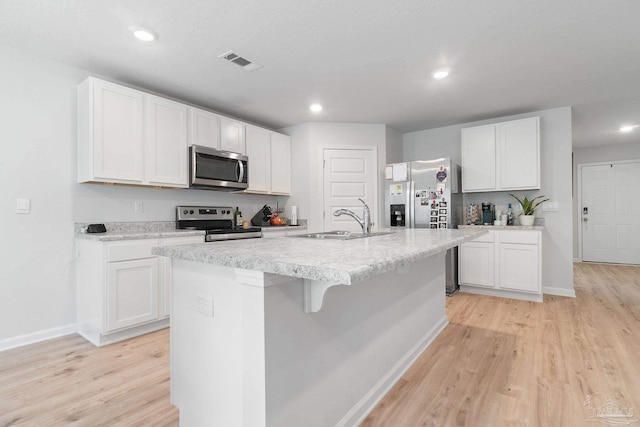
(365, 222)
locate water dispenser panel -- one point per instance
(397, 215)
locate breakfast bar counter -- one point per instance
(301, 331)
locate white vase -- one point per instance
(527, 219)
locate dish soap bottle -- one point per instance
(237, 222)
(509, 215)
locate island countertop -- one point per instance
(338, 261)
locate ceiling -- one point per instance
(365, 61)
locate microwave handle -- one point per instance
(240, 171)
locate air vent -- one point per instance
(240, 61)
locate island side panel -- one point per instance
(317, 369)
(206, 352)
(331, 367)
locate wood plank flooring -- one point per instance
(499, 363)
(69, 382)
(513, 363)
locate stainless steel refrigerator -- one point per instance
(425, 194)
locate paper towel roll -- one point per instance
(294, 216)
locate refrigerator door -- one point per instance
(431, 193)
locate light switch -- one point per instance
(550, 207)
(23, 206)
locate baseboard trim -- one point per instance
(361, 410)
(561, 292)
(34, 337)
(500, 293)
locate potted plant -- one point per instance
(528, 208)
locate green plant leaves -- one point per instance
(529, 206)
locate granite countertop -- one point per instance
(343, 261)
(501, 227)
(135, 230)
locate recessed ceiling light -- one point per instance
(316, 108)
(143, 34)
(440, 74)
(628, 128)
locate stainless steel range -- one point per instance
(216, 221)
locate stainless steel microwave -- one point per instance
(217, 170)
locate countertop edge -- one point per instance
(140, 235)
(199, 253)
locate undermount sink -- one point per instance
(341, 235)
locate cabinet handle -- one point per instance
(240, 171)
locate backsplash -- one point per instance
(501, 201)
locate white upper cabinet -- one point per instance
(269, 161)
(110, 129)
(232, 135)
(479, 158)
(166, 143)
(502, 156)
(280, 164)
(204, 128)
(519, 154)
(258, 151)
(126, 136)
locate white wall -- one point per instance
(37, 276)
(307, 141)
(603, 153)
(556, 140)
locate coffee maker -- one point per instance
(487, 213)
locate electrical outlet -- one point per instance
(205, 305)
(138, 206)
(23, 206)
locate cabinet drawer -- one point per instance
(490, 237)
(520, 237)
(126, 250)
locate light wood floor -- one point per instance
(69, 382)
(513, 363)
(498, 363)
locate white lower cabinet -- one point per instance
(132, 293)
(123, 290)
(503, 263)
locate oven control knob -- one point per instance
(191, 212)
(185, 211)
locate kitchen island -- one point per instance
(294, 331)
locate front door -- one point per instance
(610, 212)
(349, 174)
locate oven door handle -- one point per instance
(240, 169)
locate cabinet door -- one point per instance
(477, 264)
(519, 267)
(204, 128)
(117, 133)
(479, 159)
(132, 293)
(519, 154)
(258, 149)
(166, 143)
(280, 164)
(232, 137)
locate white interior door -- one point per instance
(610, 212)
(349, 174)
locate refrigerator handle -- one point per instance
(412, 205)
